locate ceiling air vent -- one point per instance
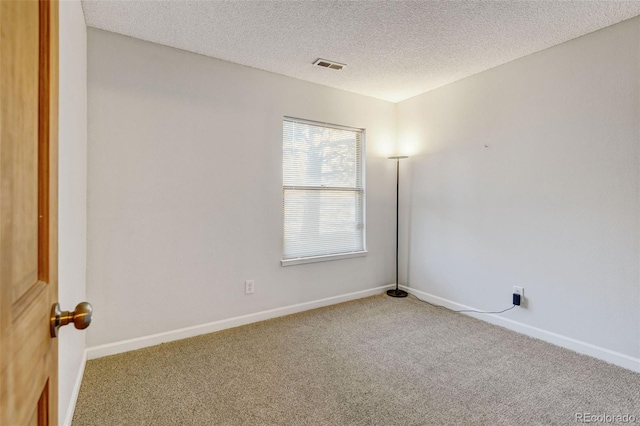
(328, 64)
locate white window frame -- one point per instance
(363, 163)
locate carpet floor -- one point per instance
(373, 361)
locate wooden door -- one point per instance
(28, 211)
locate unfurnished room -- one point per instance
(319, 212)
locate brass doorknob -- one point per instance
(81, 317)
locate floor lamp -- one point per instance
(397, 292)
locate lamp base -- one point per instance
(397, 293)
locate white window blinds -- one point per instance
(323, 191)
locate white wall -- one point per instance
(551, 204)
(185, 189)
(72, 196)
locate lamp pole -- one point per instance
(397, 292)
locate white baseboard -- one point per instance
(68, 418)
(607, 355)
(184, 333)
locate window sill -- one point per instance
(314, 259)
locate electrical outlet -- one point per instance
(249, 287)
(518, 290)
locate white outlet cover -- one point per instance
(249, 287)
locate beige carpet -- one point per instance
(375, 361)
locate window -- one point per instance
(323, 191)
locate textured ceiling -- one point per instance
(394, 49)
